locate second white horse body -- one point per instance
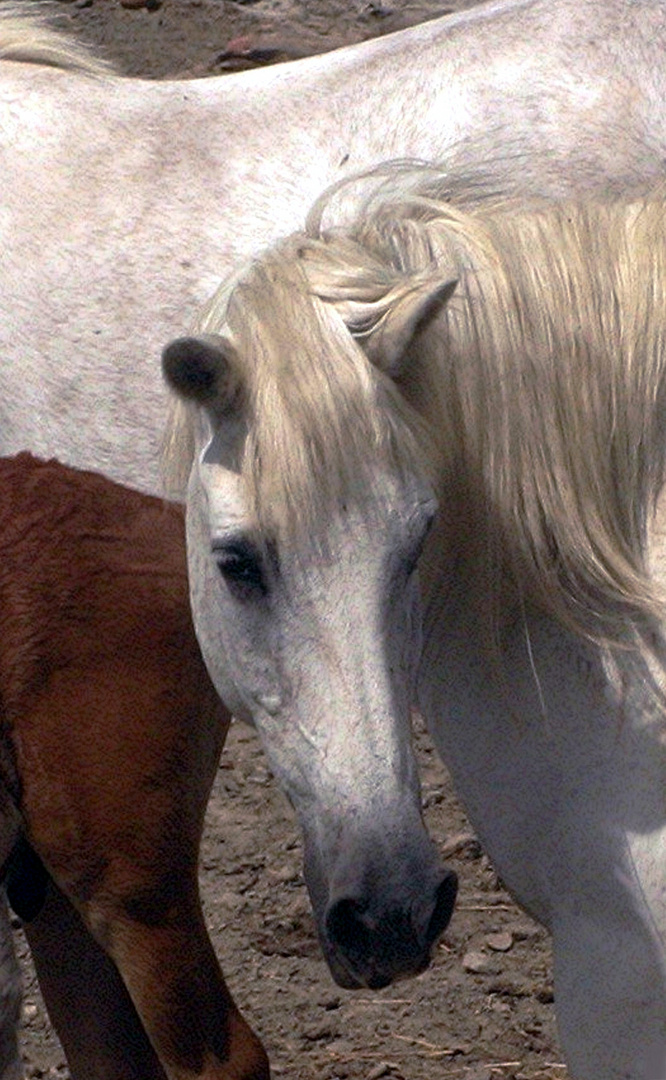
(124, 202)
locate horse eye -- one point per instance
(240, 566)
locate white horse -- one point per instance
(510, 359)
(125, 201)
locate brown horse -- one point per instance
(110, 735)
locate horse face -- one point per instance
(318, 647)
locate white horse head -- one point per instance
(307, 509)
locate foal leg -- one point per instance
(87, 1001)
(171, 971)
(127, 789)
(10, 998)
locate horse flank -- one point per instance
(539, 387)
(25, 37)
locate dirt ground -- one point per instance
(484, 1010)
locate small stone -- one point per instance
(500, 942)
(330, 1002)
(232, 901)
(462, 843)
(382, 1069)
(378, 10)
(525, 931)
(478, 963)
(285, 873)
(318, 1032)
(299, 908)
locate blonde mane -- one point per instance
(540, 385)
(26, 37)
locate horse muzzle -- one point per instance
(381, 911)
(367, 950)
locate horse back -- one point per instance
(92, 575)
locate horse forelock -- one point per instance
(323, 425)
(26, 37)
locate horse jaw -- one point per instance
(321, 661)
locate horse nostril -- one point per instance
(349, 926)
(376, 949)
(445, 898)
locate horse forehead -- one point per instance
(225, 498)
(397, 506)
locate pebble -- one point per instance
(329, 1002)
(478, 963)
(231, 900)
(318, 1032)
(285, 873)
(464, 841)
(500, 942)
(382, 1069)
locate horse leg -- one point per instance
(611, 995)
(10, 998)
(119, 834)
(87, 1001)
(172, 974)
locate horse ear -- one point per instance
(203, 369)
(388, 343)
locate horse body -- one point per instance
(509, 359)
(111, 734)
(562, 774)
(125, 202)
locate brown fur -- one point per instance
(116, 732)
